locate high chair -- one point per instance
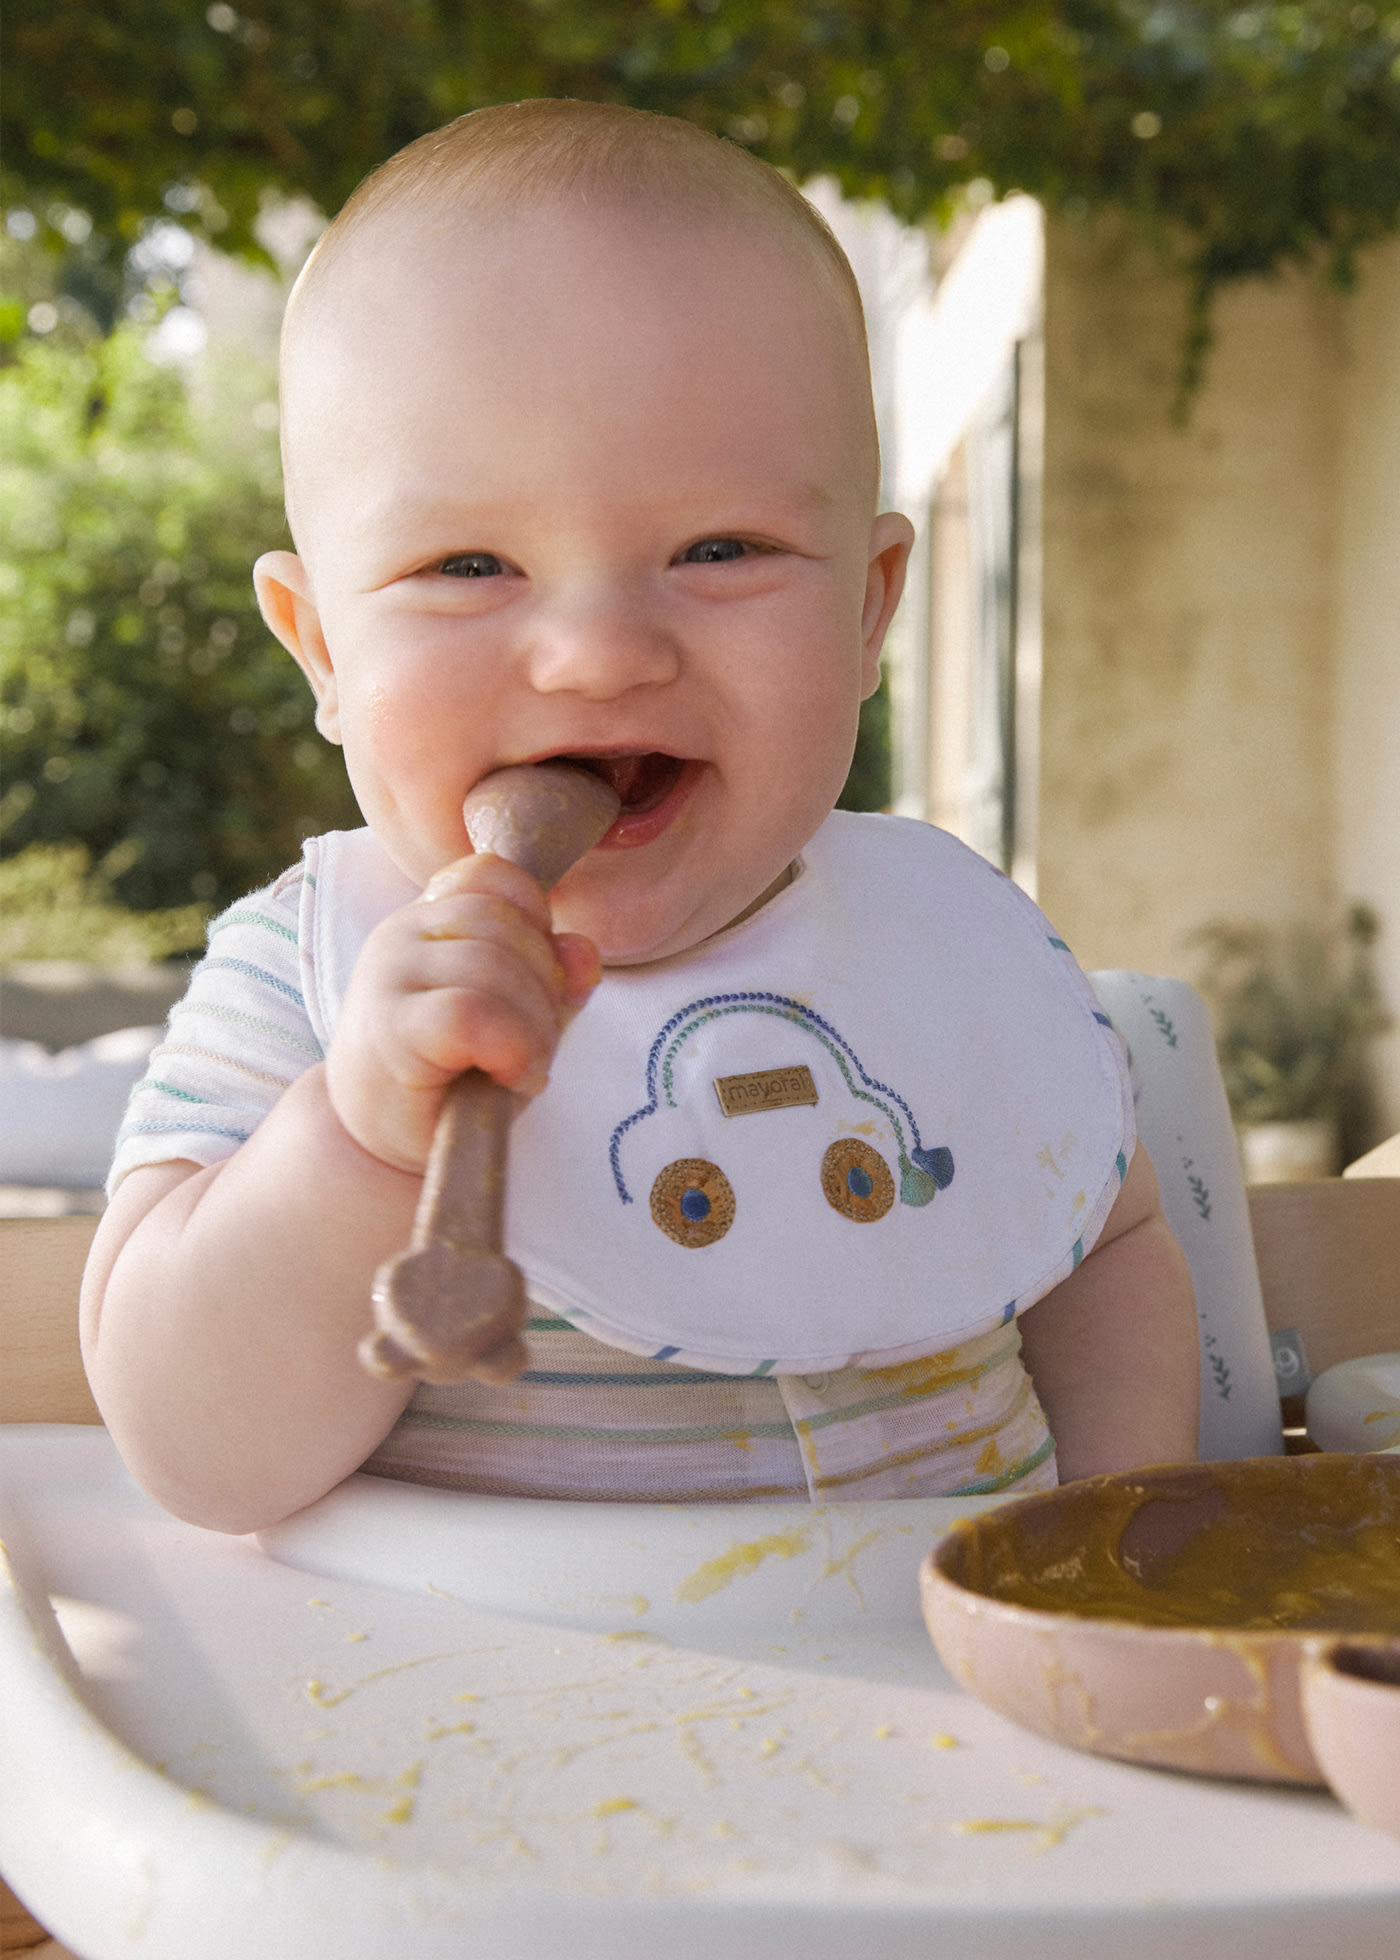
(450, 1728)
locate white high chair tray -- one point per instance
(743, 1745)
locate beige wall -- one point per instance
(1221, 686)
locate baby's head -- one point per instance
(581, 461)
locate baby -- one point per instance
(581, 462)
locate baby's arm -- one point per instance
(1113, 1349)
(222, 1306)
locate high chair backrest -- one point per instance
(1184, 1124)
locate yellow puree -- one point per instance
(1325, 1558)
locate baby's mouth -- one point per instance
(642, 781)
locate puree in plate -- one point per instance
(1164, 1615)
(1314, 1550)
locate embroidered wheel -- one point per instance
(693, 1202)
(856, 1181)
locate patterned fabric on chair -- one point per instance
(1184, 1123)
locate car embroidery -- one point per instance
(692, 1200)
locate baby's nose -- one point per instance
(600, 646)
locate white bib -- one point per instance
(881, 1116)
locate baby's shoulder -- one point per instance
(266, 919)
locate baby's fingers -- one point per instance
(488, 899)
(486, 1010)
(579, 964)
(488, 874)
(467, 977)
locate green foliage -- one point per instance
(55, 904)
(1246, 135)
(142, 706)
(868, 786)
(144, 709)
(1289, 1025)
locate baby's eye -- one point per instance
(714, 551)
(472, 564)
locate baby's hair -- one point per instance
(522, 154)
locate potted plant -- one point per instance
(1292, 1010)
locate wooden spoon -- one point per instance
(453, 1296)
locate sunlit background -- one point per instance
(1133, 279)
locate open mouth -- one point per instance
(641, 781)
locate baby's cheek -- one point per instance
(400, 725)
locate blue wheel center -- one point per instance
(695, 1205)
(859, 1182)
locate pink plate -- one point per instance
(1351, 1706)
(1163, 1615)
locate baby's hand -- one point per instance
(468, 976)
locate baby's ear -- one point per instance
(283, 586)
(891, 541)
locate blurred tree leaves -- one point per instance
(1251, 134)
(56, 904)
(869, 782)
(144, 709)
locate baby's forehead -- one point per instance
(430, 279)
(438, 286)
(498, 166)
(400, 246)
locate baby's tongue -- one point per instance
(640, 780)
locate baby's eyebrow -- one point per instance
(814, 496)
(799, 497)
(738, 507)
(755, 513)
(399, 510)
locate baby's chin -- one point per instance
(644, 933)
(624, 942)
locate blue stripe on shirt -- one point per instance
(251, 972)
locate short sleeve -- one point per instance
(240, 1036)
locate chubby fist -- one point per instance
(470, 975)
